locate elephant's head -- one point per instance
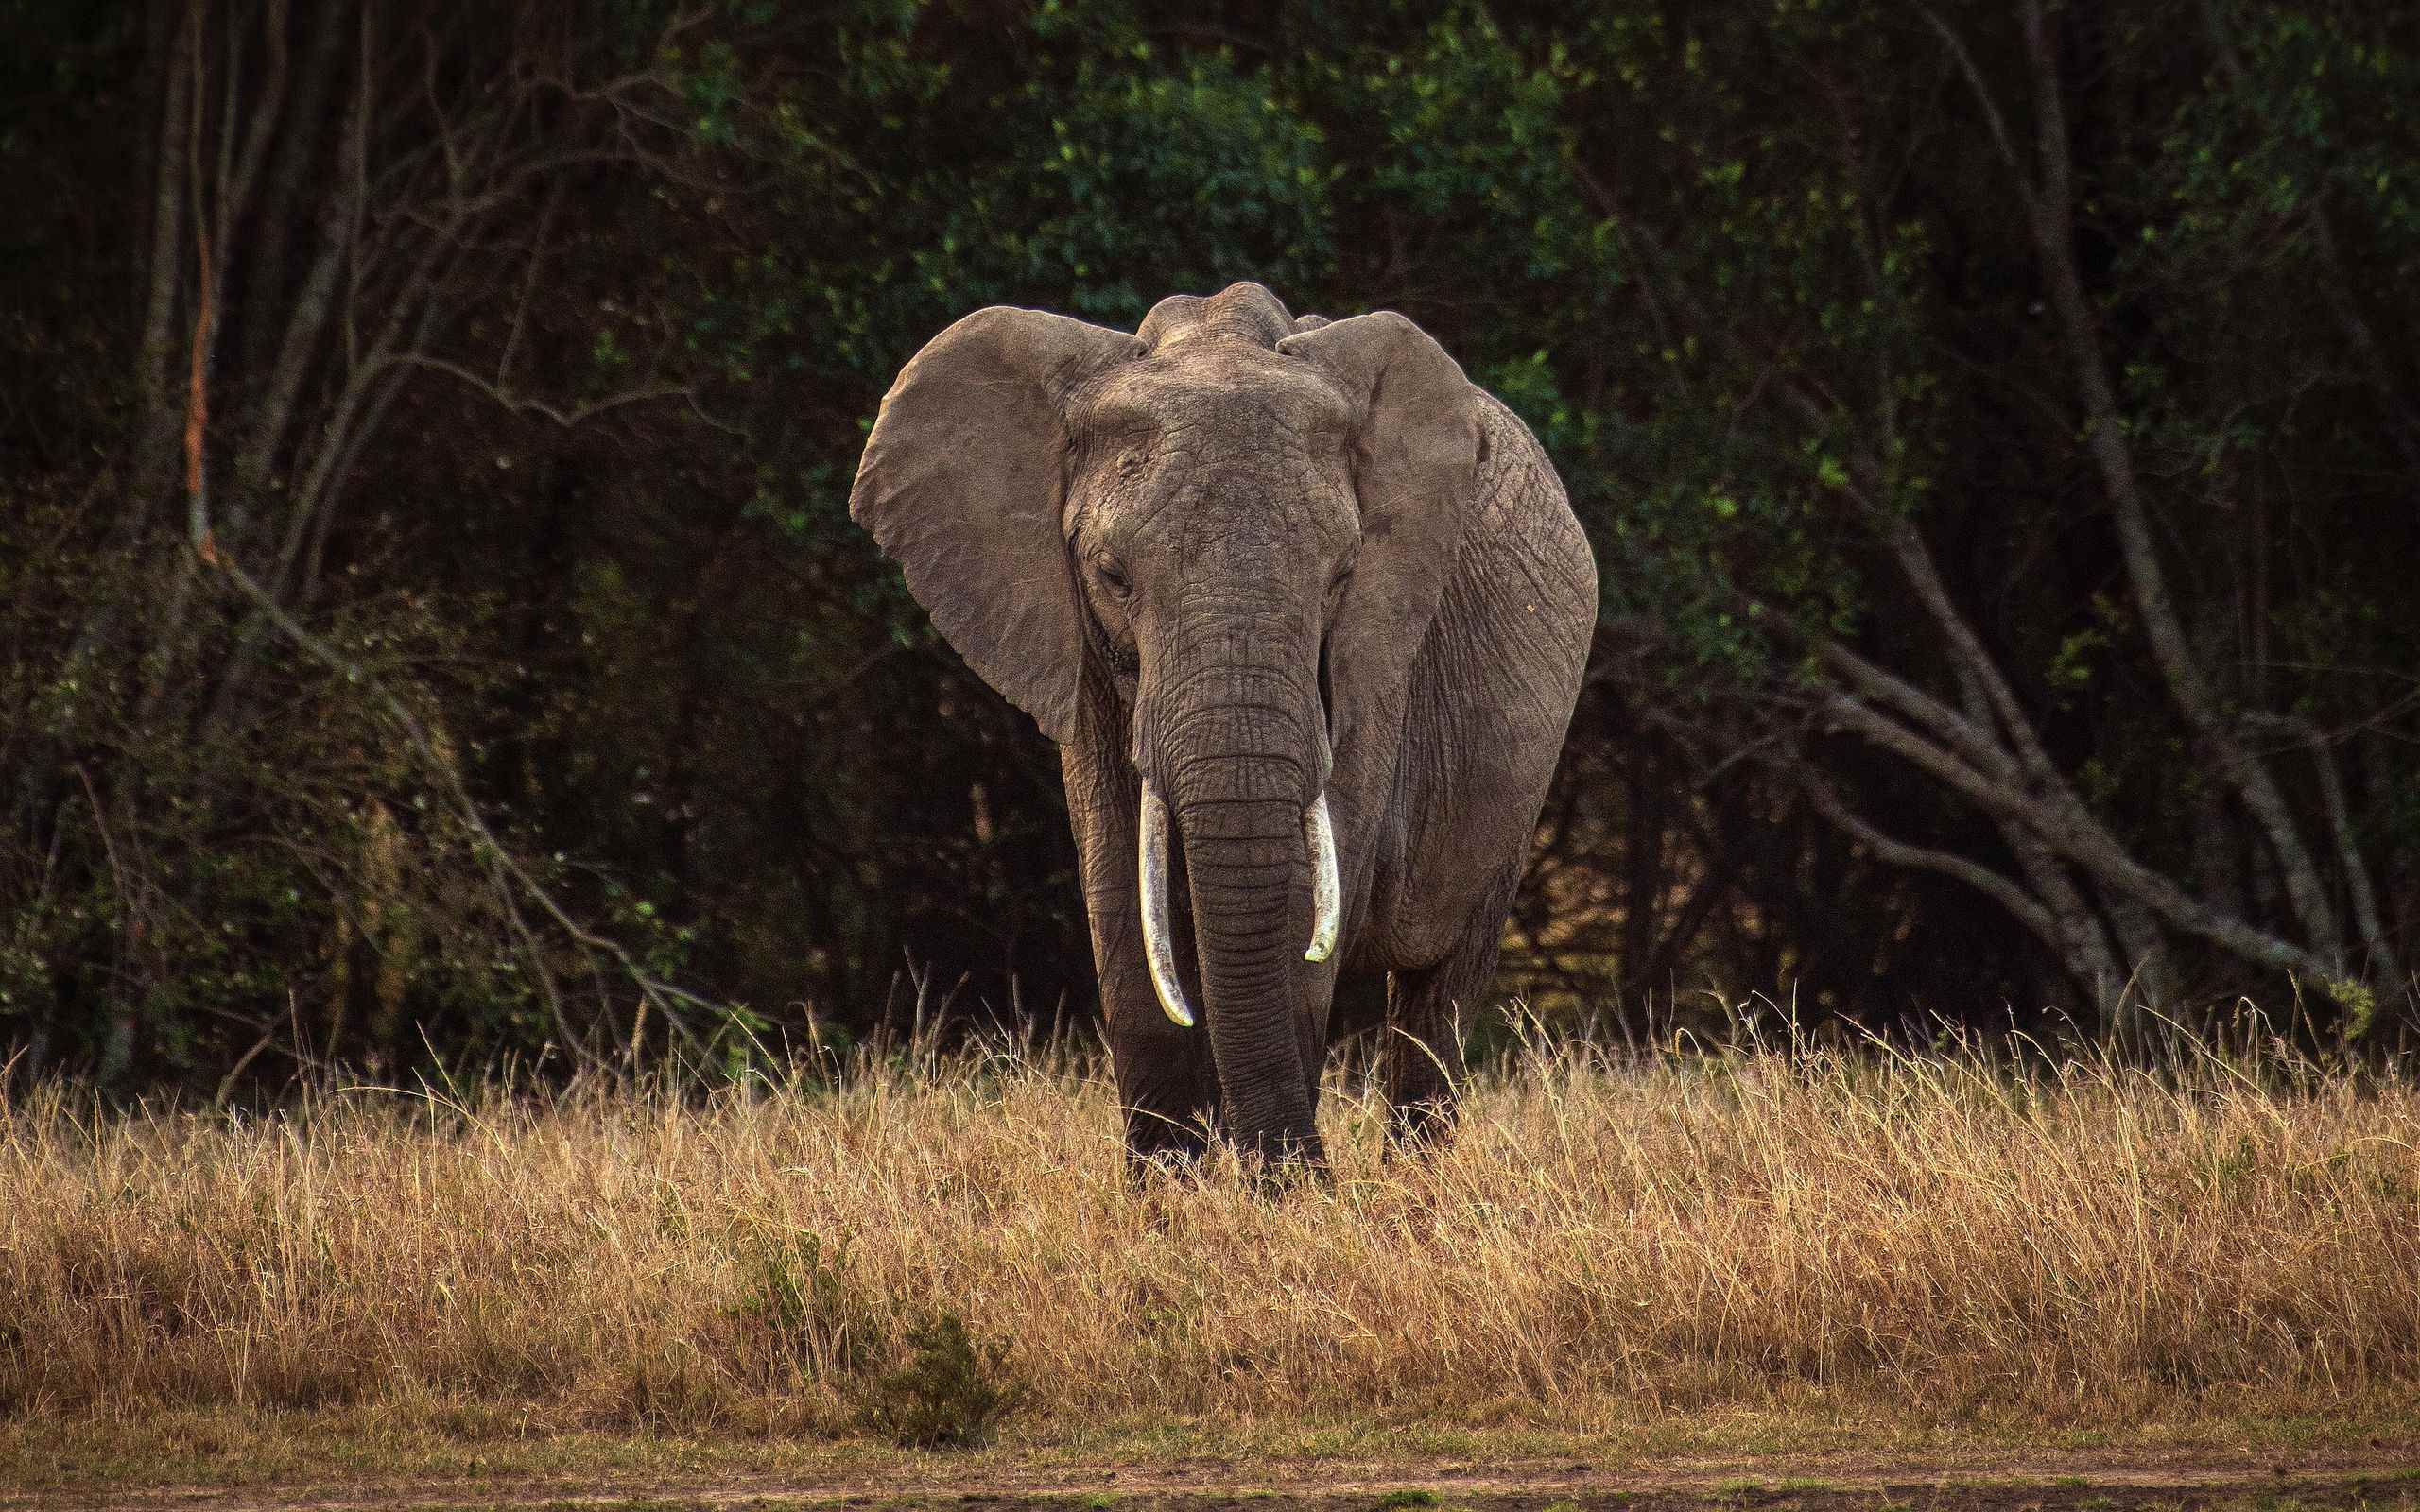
(1246, 523)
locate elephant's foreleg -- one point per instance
(1168, 1095)
(1166, 1084)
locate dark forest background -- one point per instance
(1997, 423)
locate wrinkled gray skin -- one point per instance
(1251, 560)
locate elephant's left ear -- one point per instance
(1416, 451)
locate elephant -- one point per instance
(1306, 612)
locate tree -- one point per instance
(1995, 430)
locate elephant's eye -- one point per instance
(1113, 576)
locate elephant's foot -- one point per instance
(1278, 1164)
(1416, 1128)
(1161, 1143)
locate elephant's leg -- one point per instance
(1423, 1058)
(1165, 1084)
(1319, 988)
(1166, 1081)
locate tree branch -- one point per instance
(2053, 231)
(576, 415)
(1942, 722)
(506, 869)
(2019, 903)
(2086, 843)
(2348, 850)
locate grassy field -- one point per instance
(1718, 1246)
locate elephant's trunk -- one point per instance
(1244, 859)
(1240, 746)
(1159, 937)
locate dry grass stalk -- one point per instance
(1941, 1237)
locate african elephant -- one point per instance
(1306, 612)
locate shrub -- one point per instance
(953, 1393)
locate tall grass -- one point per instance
(1611, 1237)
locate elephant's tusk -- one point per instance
(1152, 861)
(1318, 834)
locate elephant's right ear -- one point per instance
(963, 482)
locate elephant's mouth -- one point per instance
(1159, 945)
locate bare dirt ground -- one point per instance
(2105, 1482)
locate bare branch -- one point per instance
(2348, 850)
(357, 201)
(576, 415)
(529, 284)
(1982, 92)
(155, 373)
(1942, 721)
(2086, 843)
(2020, 904)
(2089, 956)
(454, 171)
(513, 881)
(237, 191)
(272, 417)
(667, 998)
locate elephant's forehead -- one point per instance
(1229, 385)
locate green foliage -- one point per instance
(920, 1378)
(1758, 274)
(2358, 1007)
(953, 1392)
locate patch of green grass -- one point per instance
(477, 1446)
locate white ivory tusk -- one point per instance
(1152, 861)
(1327, 892)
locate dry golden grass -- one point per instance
(1948, 1239)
